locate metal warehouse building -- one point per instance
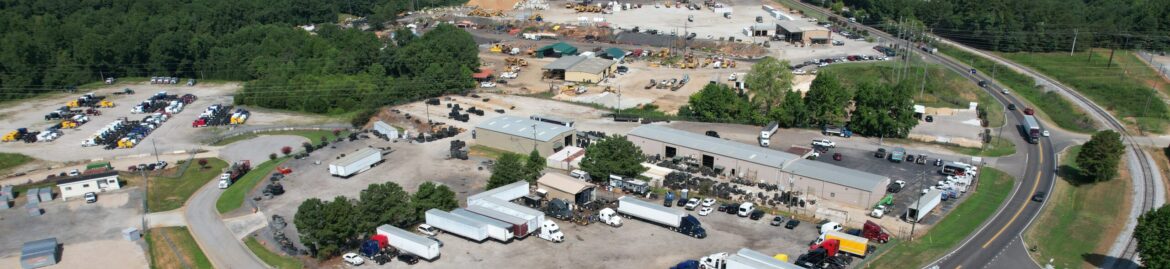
(520, 135)
(803, 32)
(789, 171)
(580, 68)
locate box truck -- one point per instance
(405, 241)
(356, 162)
(851, 244)
(675, 219)
(458, 225)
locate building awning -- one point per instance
(484, 73)
(615, 53)
(560, 47)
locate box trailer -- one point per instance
(525, 220)
(851, 244)
(496, 229)
(1031, 129)
(458, 225)
(767, 132)
(356, 162)
(675, 219)
(425, 248)
(751, 259)
(918, 209)
(507, 192)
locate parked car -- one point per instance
(909, 158)
(824, 143)
(725, 207)
(712, 134)
(777, 221)
(681, 202)
(1045, 133)
(427, 230)
(792, 223)
(487, 84)
(837, 156)
(757, 214)
(408, 258)
(938, 162)
(705, 211)
(929, 118)
(708, 202)
(692, 203)
(353, 259)
(74, 172)
(1011, 106)
(880, 153)
(90, 197)
(732, 209)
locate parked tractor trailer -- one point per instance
(918, 209)
(405, 241)
(674, 219)
(356, 162)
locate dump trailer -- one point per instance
(356, 162)
(496, 229)
(851, 244)
(455, 224)
(675, 219)
(1031, 129)
(918, 209)
(425, 248)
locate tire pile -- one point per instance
(277, 226)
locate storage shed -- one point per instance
(560, 186)
(568, 158)
(39, 253)
(521, 135)
(591, 70)
(556, 50)
(79, 185)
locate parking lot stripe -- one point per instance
(1039, 172)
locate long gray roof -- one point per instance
(522, 127)
(481, 218)
(838, 175)
(782, 160)
(796, 26)
(565, 62)
(592, 65)
(356, 155)
(417, 239)
(718, 146)
(760, 260)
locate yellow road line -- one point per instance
(1039, 172)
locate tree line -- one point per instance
(878, 109)
(53, 44)
(329, 227)
(1012, 26)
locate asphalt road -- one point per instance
(998, 233)
(220, 245)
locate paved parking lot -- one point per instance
(91, 233)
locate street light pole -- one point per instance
(917, 206)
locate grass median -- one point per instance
(1081, 219)
(168, 193)
(233, 197)
(994, 187)
(1050, 105)
(314, 136)
(998, 147)
(162, 253)
(1116, 80)
(272, 259)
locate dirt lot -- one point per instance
(175, 134)
(91, 233)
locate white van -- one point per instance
(746, 209)
(578, 174)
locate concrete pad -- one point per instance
(243, 225)
(257, 149)
(171, 218)
(94, 254)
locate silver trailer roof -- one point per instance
(355, 156)
(481, 218)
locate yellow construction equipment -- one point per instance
(481, 12)
(664, 53)
(536, 17)
(497, 48)
(106, 104)
(68, 124)
(515, 61)
(10, 136)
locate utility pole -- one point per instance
(914, 223)
(1076, 32)
(155, 146)
(923, 90)
(534, 144)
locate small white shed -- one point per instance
(79, 185)
(386, 129)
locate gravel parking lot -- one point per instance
(94, 229)
(175, 134)
(637, 244)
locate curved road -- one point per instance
(221, 246)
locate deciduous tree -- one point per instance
(768, 80)
(507, 170)
(431, 195)
(533, 166)
(385, 203)
(1153, 235)
(613, 155)
(1100, 156)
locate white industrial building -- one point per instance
(79, 185)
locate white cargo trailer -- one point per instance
(493, 207)
(356, 162)
(455, 224)
(506, 193)
(425, 248)
(750, 259)
(496, 229)
(919, 209)
(674, 218)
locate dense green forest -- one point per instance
(54, 44)
(1032, 25)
